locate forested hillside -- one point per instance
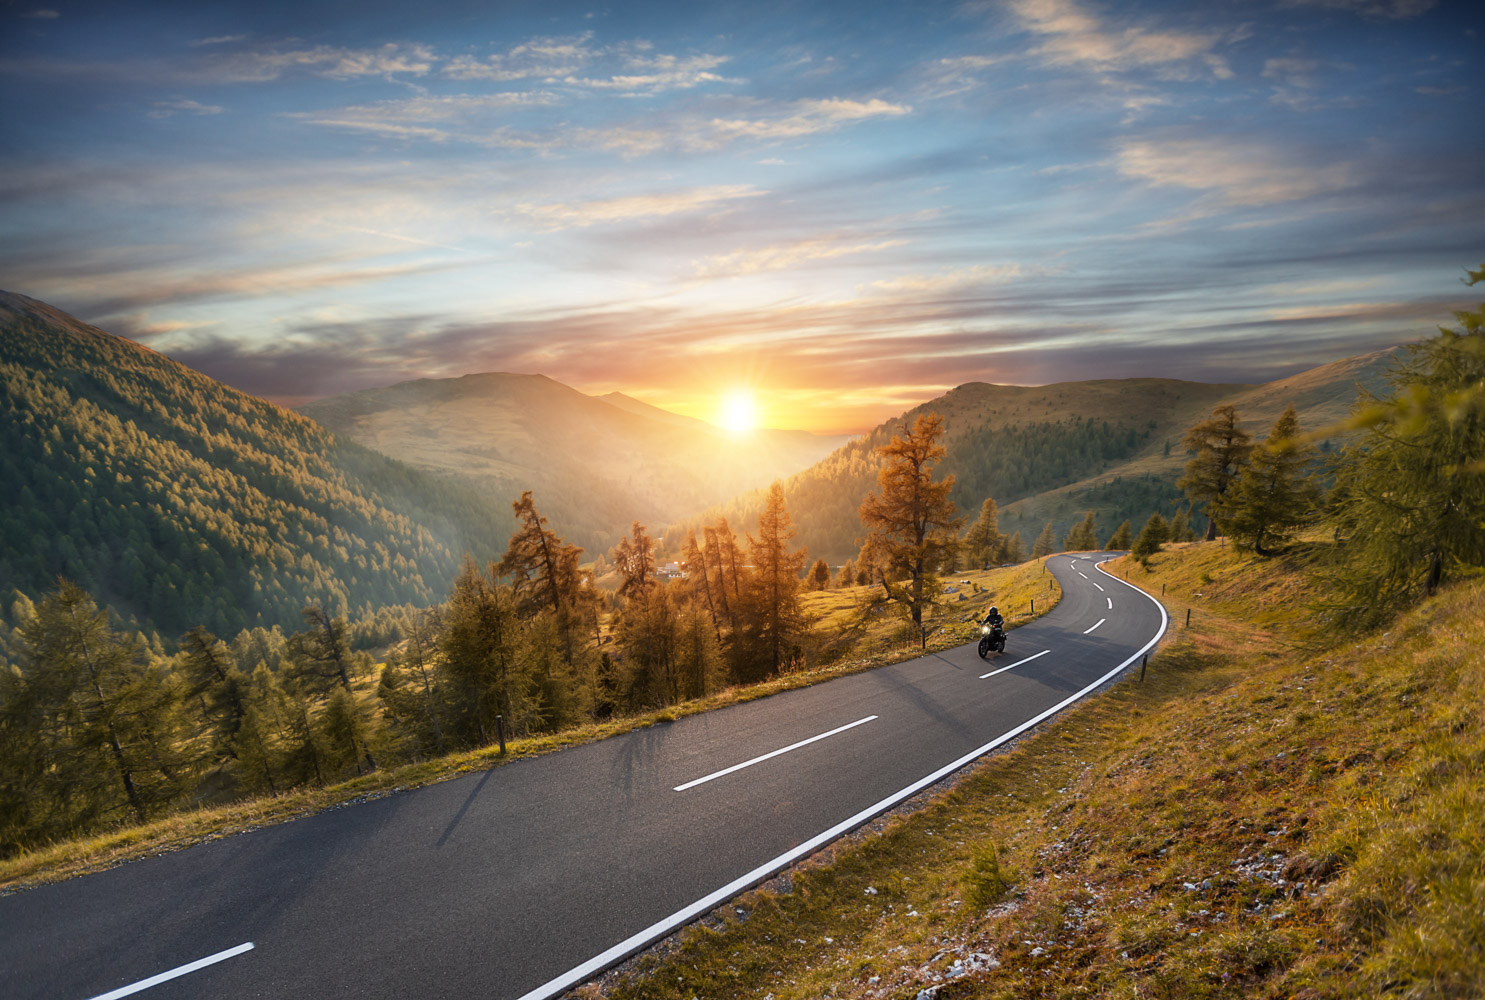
(182, 502)
(1050, 453)
(595, 464)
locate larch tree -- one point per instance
(1046, 542)
(1274, 496)
(819, 575)
(480, 652)
(1154, 534)
(983, 543)
(1409, 498)
(1222, 448)
(777, 622)
(543, 570)
(912, 518)
(1015, 549)
(635, 558)
(1083, 536)
(1122, 537)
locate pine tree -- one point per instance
(983, 543)
(1046, 542)
(1154, 534)
(1121, 539)
(480, 647)
(1409, 499)
(1082, 537)
(912, 519)
(1222, 449)
(1273, 496)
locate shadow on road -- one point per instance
(459, 816)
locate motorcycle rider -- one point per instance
(993, 619)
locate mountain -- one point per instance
(1049, 453)
(593, 463)
(180, 501)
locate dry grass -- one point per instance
(1252, 821)
(883, 641)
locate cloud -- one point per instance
(562, 215)
(324, 60)
(1076, 36)
(1293, 71)
(540, 58)
(944, 281)
(218, 40)
(166, 109)
(1238, 172)
(665, 72)
(781, 256)
(464, 117)
(41, 14)
(1373, 10)
(805, 117)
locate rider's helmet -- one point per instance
(994, 610)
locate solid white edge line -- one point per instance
(771, 753)
(1094, 625)
(681, 917)
(1016, 664)
(200, 963)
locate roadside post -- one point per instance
(500, 732)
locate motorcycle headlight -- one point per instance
(984, 630)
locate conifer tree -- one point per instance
(543, 570)
(635, 558)
(847, 575)
(776, 621)
(1409, 499)
(1015, 549)
(480, 646)
(1273, 496)
(819, 575)
(983, 543)
(1122, 538)
(912, 519)
(1083, 536)
(1046, 542)
(1154, 534)
(1180, 526)
(1222, 448)
(214, 679)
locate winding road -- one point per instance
(522, 881)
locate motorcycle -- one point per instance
(992, 638)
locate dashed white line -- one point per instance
(1016, 664)
(1095, 583)
(1111, 603)
(1082, 574)
(1094, 625)
(175, 973)
(771, 754)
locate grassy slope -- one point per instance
(1254, 819)
(882, 641)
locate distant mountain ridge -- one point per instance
(1049, 453)
(181, 501)
(593, 463)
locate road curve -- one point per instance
(521, 881)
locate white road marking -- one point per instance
(1095, 583)
(771, 753)
(1094, 626)
(1016, 664)
(200, 963)
(685, 915)
(1082, 574)
(1111, 604)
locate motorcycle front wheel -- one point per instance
(984, 647)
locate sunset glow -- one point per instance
(300, 202)
(739, 413)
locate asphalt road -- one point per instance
(521, 881)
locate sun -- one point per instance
(739, 413)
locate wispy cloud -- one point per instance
(944, 281)
(806, 118)
(539, 58)
(563, 215)
(466, 117)
(657, 73)
(781, 256)
(1075, 35)
(42, 14)
(218, 40)
(324, 60)
(1238, 172)
(167, 109)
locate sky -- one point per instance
(840, 209)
